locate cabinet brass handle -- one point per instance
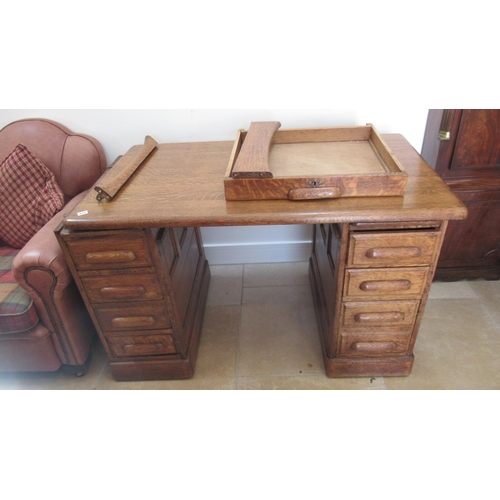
(445, 127)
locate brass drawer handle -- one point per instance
(110, 256)
(385, 286)
(373, 346)
(133, 321)
(378, 317)
(393, 252)
(122, 291)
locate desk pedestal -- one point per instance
(146, 292)
(370, 284)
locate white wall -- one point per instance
(119, 129)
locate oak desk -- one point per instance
(140, 265)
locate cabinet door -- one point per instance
(463, 143)
(477, 145)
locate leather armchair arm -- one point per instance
(43, 252)
(41, 269)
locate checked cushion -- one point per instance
(29, 197)
(17, 312)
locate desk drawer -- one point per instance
(146, 316)
(392, 249)
(142, 345)
(122, 287)
(368, 345)
(388, 283)
(112, 251)
(396, 313)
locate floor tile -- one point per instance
(285, 274)
(58, 380)
(452, 290)
(458, 347)
(225, 285)
(489, 293)
(278, 333)
(309, 382)
(216, 363)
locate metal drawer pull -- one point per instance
(133, 321)
(373, 346)
(122, 291)
(378, 317)
(393, 252)
(385, 286)
(110, 256)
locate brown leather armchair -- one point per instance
(64, 332)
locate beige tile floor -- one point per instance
(260, 332)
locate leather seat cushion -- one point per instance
(17, 311)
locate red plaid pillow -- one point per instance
(29, 197)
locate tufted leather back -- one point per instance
(76, 160)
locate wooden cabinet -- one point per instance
(145, 290)
(463, 146)
(370, 283)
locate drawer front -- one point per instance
(369, 284)
(398, 249)
(141, 345)
(122, 288)
(110, 251)
(146, 316)
(397, 313)
(368, 345)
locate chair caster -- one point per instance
(78, 370)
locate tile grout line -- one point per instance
(239, 327)
(100, 374)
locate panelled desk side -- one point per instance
(140, 265)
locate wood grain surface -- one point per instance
(183, 185)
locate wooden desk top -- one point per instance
(182, 185)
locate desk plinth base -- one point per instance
(169, 369)
(381, 367)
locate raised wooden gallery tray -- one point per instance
(304, 164)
